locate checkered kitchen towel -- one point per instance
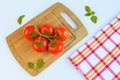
(99, 58)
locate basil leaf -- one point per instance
(87, 8)
(20, 19)
(92, 12)
(40, 63)
(88, 14)
(31, 65)
(94, 19)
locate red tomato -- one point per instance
(29, 32)
(62, 33)
(55, 47)
(40, 44)
(47, 29)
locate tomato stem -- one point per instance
(48, 37)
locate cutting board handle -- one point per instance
(61, 8)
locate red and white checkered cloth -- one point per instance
(99, 58)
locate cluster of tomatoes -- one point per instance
(46, 37)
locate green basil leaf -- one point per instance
(20, 19)
(92, 12)
(31, 65)
(94, 19)
(88, 14)
(87, 8)
(40, 63)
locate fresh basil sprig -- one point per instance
(91, 14)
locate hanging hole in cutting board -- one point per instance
(69, 20)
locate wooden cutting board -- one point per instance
(22, 50)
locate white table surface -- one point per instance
(61, 69)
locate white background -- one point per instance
(10, 10)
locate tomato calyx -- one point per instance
(46, 33)
(57, 35)
(32, 34)
(53, 43)
(39, 43)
